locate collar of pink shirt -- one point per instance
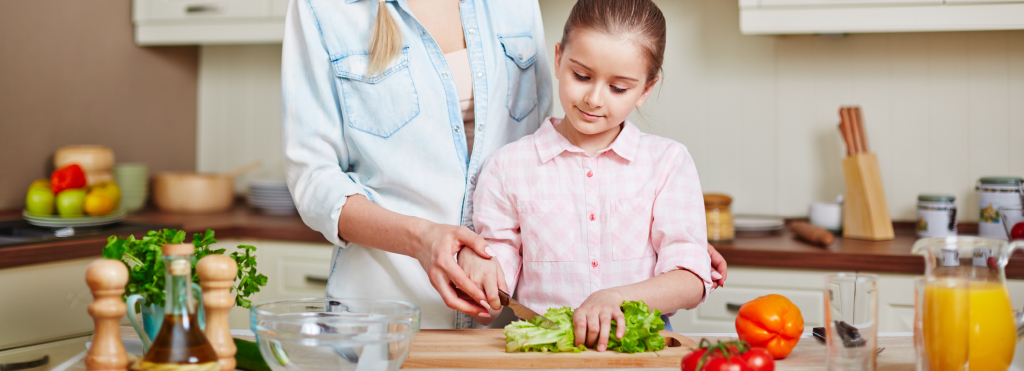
(551, 143)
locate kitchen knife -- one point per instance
(523, 312)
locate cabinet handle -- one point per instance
(191, 9)
(316, 279)
(25, 365)
(733, 307)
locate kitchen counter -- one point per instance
(770, 251)
(808, 355)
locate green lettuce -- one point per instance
(642, 327)
(529, 336)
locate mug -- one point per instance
(153, 316)
(827, 215)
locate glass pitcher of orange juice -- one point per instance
(964, 314)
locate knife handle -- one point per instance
(503, 298)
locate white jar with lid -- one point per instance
(936, 215)
(995, 192)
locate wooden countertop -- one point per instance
(769, 251)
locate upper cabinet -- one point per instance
(854, 16)
(192, 22)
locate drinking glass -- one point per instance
(851, 321)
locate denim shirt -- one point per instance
(397, 137)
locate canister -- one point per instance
(995, 192)
(719, 218)
(936, 215)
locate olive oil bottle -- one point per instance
(180, 345)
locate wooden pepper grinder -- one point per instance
(106, 278)
(216, 274)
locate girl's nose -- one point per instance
(593, 98)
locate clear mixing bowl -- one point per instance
(334, 333)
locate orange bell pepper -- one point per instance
(771, 322)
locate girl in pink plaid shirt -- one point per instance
(589, 212)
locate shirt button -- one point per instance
(593, 263)
(422, 33)
(479, 74)
(480, 127)
(592, 217)
(520, 57)
(444, 74)
(590, 173)
(456, 128)
(472, 31)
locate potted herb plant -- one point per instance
(146, 271)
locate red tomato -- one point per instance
(734, 363)
(759, 359)
(691, 360)
(1017, 232)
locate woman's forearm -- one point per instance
(669, 292)
(368, 224)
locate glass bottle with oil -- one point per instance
(180, 345)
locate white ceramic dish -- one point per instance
(83, 221)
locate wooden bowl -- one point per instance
(89, 157)
(192, 193)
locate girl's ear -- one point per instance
(648, 88)
(558, 57)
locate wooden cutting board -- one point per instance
(485, 349)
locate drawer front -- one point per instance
(304, 278)
(44, 302)
(43, 356)
(206, 9)
(724, 304)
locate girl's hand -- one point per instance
(438, 244)
(718, 268)
(593, 319)
(486, 273)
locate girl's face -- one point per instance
(601, 78)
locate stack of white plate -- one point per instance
(271, 197)
(758, 224)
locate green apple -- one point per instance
(39, 201)
(70, 202)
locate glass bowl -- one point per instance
(334, 333)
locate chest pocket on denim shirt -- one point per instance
(379, 104)
(629, 227)
(548, 229)
(521, 53)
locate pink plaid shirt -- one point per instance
(564, 224)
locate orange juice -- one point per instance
(971, 322)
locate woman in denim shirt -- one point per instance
(383, 141)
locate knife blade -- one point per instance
(523, 312)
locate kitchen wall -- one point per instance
(71, 74)
(758, 113)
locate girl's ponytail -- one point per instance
(385, 41)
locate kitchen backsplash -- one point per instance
(758, 113)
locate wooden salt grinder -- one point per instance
(216, 274)
(106, 278)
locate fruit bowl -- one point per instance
(57, 221)
(334, 333)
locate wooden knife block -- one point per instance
(865, 212)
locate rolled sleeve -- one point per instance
(497, 221)
(679, 229)
(315, 152)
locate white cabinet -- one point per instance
(191, 22)
(44, 302)
(805, 288)
(293, 269)
(854, 16)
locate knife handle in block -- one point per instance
(216, 274)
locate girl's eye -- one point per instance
(581, 77)
(617, 89)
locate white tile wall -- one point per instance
(759, 113)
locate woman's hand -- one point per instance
(438, 244)
(718, 268)
(593, 319)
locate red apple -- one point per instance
(1017, 233)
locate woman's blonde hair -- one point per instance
(385, 41)
(640, 21)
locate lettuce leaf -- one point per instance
(642, 327)
(529, 336)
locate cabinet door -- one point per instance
(278, 8)
(204, 9)
(44, 302)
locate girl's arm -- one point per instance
(316, 158)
